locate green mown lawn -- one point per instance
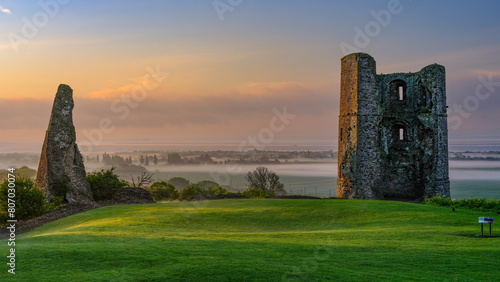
(260, 240)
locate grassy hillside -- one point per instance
(263, 240)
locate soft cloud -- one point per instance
(112, 92)
(24, 113)
(162, 116)
(117, 92)
(237, 114)
(161, 109)
(259, 88)
(5, 10)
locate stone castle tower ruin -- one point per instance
(393, 136)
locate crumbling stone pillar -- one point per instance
(61, 164)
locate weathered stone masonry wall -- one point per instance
(359, 169)
(391, 145)
(347, 124)
(60, 160)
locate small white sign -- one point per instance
(486, 220)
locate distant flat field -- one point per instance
(463, 189)
(469, 179)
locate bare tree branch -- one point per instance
(144, 179)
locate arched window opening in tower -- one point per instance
(398, 91)
(399, 133)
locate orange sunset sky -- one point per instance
(222, 68)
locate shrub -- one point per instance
(29, 200)
(161, 191)
(104, 184)
(179, 182)
(190, 192)
(257, 193)
(212, 188)
(472, 204)
(55, 203)
(207, 184)
(439, 201)
(217, 190)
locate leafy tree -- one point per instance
(106, 159)
(179, 182)
(141, 160)
(174, 158)
(113, 160)
(104, 184)
(265, 180)
(146, 161)
(205, 159)
(190, 192)
(155, 160)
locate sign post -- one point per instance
(485, 220)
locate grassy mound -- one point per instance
(264, 240)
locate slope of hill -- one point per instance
(265, 240)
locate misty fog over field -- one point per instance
(468, 178)
(315, 177)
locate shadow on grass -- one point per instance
(478, 236)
